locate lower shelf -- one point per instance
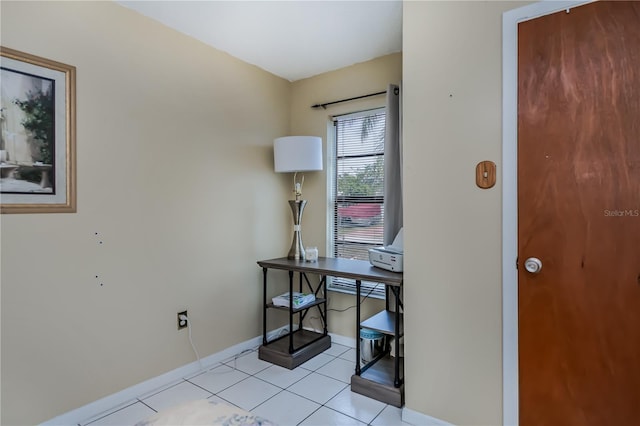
(377, 382)
(277, 352)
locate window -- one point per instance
(356, 192)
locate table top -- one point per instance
(337, 267)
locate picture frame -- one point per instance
(37, 134)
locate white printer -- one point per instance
(389, 257)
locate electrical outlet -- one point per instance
(182, 323)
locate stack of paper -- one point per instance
(299, 299)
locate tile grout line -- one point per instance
(109, 412)
(310, 414)
(233, 367)
(147, 405)
(346, 385)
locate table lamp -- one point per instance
(297, 154)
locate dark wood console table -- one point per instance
(381, 378)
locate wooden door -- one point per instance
(579, 213)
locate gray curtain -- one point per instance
(393, 165)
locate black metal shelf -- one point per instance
(381, 378)
(299, 345)
(384, 322)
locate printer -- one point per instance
(389, 257)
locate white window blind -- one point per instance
(357, 192)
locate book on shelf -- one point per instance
(299, 299)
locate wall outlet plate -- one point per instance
(182, 323)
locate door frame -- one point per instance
(510, 21)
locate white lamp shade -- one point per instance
(297, 153)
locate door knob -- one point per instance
(533, 265)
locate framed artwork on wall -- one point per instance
(37, 134)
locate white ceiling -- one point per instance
(293, 39)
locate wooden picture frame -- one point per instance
(37, 134)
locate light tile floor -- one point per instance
(315, 393)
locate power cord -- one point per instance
(342, 310)
(361, 301)
(185, 319)
(235, 358)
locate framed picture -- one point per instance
(37, 134)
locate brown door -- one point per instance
(579, 213)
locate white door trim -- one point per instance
(510, 20)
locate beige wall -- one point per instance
(452, 121)
(175, 178)
(360, 79)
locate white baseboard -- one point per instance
(408, 416)
(125, 397)
(336, 338)
(342, 340)
(278, 332)
(130, 395)
(416, 418)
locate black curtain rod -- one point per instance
(324, 105)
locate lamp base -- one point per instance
(297, 249)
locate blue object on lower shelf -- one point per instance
(371, 344)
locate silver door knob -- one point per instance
(533, 265)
